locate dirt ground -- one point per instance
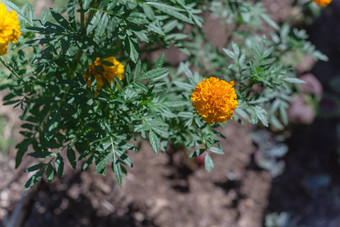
(161, 192)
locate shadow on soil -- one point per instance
(309, 188)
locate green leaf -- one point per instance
(185, 86)
(230, 54)
(153, 27)
(42, 154)
(59, 166)
(52, 124)
(154, 73)
(35, 167)
(269, 21)
(100, 29)
(160, 61)
(196, 153)
(216, 150)
(117, 170)
(294, 80)
(133, 51)
(208, 162)
(22, 149)
(171, 10)
(142, 35)
(154, 141)
(138, 18)
(71, 157)
(124, 158)
(148, 11)
(49, 172)
(176, 103)
(61, 20)
(183, 67)
(86, 4)
(94, 22)
(261, 114)
(137, 70)
(34, 179)
(103, 163)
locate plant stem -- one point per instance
(82, 16)
(11, 70)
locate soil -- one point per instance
(168, 189)
(309, 188)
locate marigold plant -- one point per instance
(79, 106)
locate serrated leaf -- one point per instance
(154, 141)
(196, 153)
(186, 70)
(171, 10)
(185, 86)
(71, 156)
(60, 19)
(160, 61)
(59, 166)
(154, 73)
(42, 154)
(117, 170)
(34, 179)
(216, 150)
(294, 80)
(148, 11)
(230, 53)
(269, 21)
(153, 27)
(22, 149)
(103, 163)
(49, 172)
(208, 163)
(86, 4)
(102, 24)
(94, 22)
(261, 115)
(133, 51)
(176, 103)
(35, 167)
(137, 70)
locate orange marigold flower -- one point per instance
(104, 72)
(322, 3)
(9, 28)
(215, 100)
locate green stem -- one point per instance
(82, 16)
(11, 70)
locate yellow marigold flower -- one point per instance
(322, 3)
(9, 28)
(215, 100)
(103, 72)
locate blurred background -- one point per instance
(266, 178)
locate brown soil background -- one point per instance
(159, 192)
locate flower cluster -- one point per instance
(215, 100)
(322, 3)
(9, 28)
(104, 71)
